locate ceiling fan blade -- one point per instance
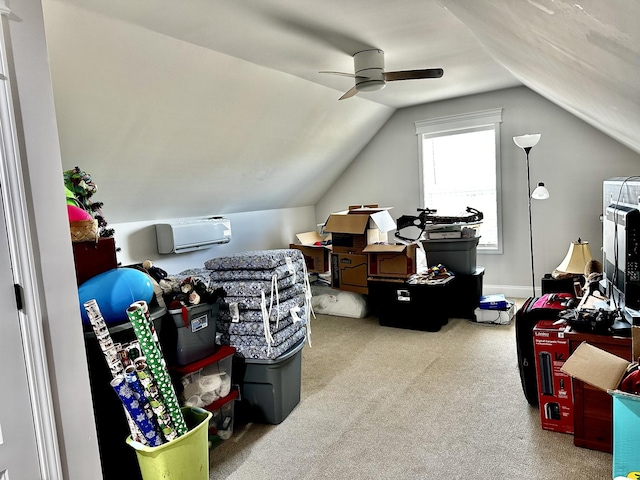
(342, 74)
(352, 91)
(413, 74)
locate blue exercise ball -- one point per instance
(114, 291)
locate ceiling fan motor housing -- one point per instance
(370, 64)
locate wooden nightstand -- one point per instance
(593, 427)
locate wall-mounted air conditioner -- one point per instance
(192, 234)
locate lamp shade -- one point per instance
(577, 257)
(540, 193)
(528, 140)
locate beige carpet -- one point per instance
(387, 403)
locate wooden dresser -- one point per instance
(593, 427)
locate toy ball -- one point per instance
(114, 291)
(77, 214)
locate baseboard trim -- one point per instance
(511, 291)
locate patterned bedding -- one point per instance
(259, 340)
(255, 303)
(268, 296)
(281, 271)
(270, 353)
(255, 260)
(254, 288)
(277, 312)
(257, 327)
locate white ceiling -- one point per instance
(582, 55)
(304, 37)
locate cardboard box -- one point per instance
(315, 256)
(604, 371)
(555, 392)
(395, 261)
(352, 230)
(349, 272)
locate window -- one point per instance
(459, 168)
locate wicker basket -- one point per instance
(84, 231)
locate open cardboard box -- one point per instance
(397, 261)
(604, 370)
(352, 230)
(315, 256)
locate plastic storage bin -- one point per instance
(416, 307)
(196, 332)
(270, 388)
(465, 292)
(221, 423)
(458, 255)
(185, 458)
(203, 382)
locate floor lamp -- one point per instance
(527, 142)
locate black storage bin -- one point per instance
(402, 305)
(558, 285)
(465, 293)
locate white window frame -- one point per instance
(461, 123)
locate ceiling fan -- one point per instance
(370, 75)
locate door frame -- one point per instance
(23, 265)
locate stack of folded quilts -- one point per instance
(268, 304)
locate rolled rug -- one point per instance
(157, 366)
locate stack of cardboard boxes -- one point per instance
(359, 249)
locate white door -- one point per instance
(18, 452)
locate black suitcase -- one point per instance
(546, 307)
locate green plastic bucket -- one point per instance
(186, 457)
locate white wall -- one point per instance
(572, 159)
(40, 154)
(165, 126)
(261, 230)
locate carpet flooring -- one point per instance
(387, 403)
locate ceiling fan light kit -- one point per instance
(370, 76)
(369, 70)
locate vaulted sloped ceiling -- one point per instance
(582, 55)
(201, 107)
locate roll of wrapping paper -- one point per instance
(155, 401)
(133, 351)
(156, 364)
(111, 355)
(134, 383)
(152, 327)
(148, 428)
